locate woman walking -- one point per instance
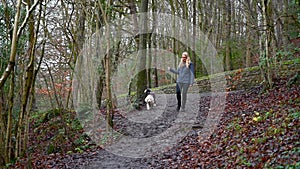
(185, 72)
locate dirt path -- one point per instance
(148, 135)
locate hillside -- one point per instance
(257, 130)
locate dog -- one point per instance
(150, 98)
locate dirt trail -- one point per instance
(148, 135)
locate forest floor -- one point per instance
(255, 130)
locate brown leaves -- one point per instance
(233, 79)
(256, 131)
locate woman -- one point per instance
(185, 72)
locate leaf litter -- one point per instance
(257, 130)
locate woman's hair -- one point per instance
(187, 62)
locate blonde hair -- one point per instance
(187, 62)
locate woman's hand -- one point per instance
(169, 68)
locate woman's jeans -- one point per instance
(181, 88)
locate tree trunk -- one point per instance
(201, 23)
(8, 138)
(153, 40)
(186, 28)
(81, 15)
(15, 36)
(14, 45)
(149, 65)
(109, 106)
(141, 74)
(266, 69)
(21, 134)
(248, 35)
(248, 50)
(228, 36)
(193, 54)
(107, 60)
(32, 74)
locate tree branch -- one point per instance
(29, 11)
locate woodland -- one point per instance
(65, 63)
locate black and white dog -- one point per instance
(150, 98)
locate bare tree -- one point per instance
(228, 8)
(6, 126)
(142, 74)
(17, 31)
(267, 43)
